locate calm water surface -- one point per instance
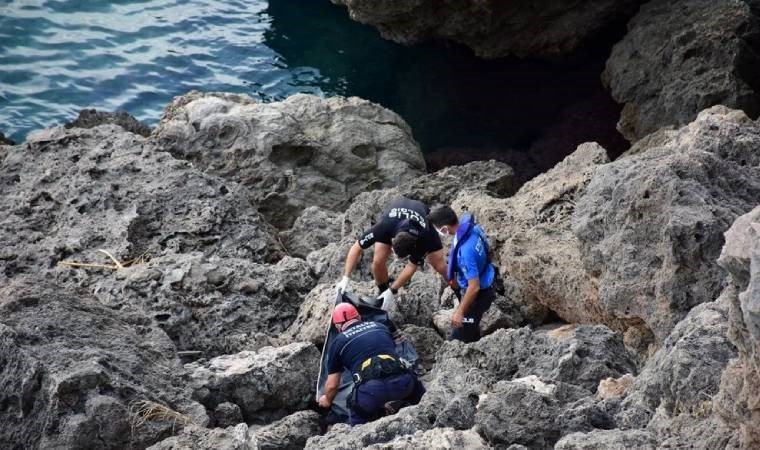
(57, 57)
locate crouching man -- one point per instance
(404, 229)
(469, 268)
(367, 350)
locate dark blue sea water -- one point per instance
(59, 56)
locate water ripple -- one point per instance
(58, 57)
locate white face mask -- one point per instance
(443, 231)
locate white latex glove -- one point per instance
(342, 285)
(387, 297)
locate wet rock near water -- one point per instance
(680, 57)
(522, 28)
(90, 118)
(304, 151)
(72, 371)
(3, 142)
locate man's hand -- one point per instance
(324, 402)
(387, 299)
(456, 318)
(342, 285)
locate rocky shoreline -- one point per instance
(169, 288)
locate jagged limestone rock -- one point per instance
(738, 402)
(197, 438)
(300, 152)
(267, 384)
(680, 57)
(651, 225)
(288, 433)
(493, 29)
(71, 371)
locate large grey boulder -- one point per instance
(672, 396)
(288, 433)
(210, 304)
(314, 229)
(532, 244)
(267, 384)
(71, 372)
(580, 355)
(303, 151)
(442, 438)
(70, 192)
(738, 402)
(651, 225)
(522, 413)
(680, 57)
(198, 438)
(493, 29)
(608, 440)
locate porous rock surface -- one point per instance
(198, 438)
(608, 440)
(288, 433)
(680, 57)
(71, 370)
(211, 304)
(89, 118)
(631, 243)
(67, 193)
(651, 225)
(532, 243)
(738, 402)
(672, 396)
(304, 151)
(493, 28)
(490, 386)
(266, 384)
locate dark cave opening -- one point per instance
(528, 113)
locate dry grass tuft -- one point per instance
(117, 265)
(143, 411)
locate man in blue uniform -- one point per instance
(403, 227)
(469, 267)
(367, 350)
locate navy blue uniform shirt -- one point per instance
(401, 214)
(357, 343)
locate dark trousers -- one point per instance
(470, 331)
(371, 396)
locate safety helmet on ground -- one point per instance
(344, 312)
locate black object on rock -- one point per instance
(89, 118)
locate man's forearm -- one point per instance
(469, 296)
(354, 253)
(331, 386)
(404, 276)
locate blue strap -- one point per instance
(467, 225)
